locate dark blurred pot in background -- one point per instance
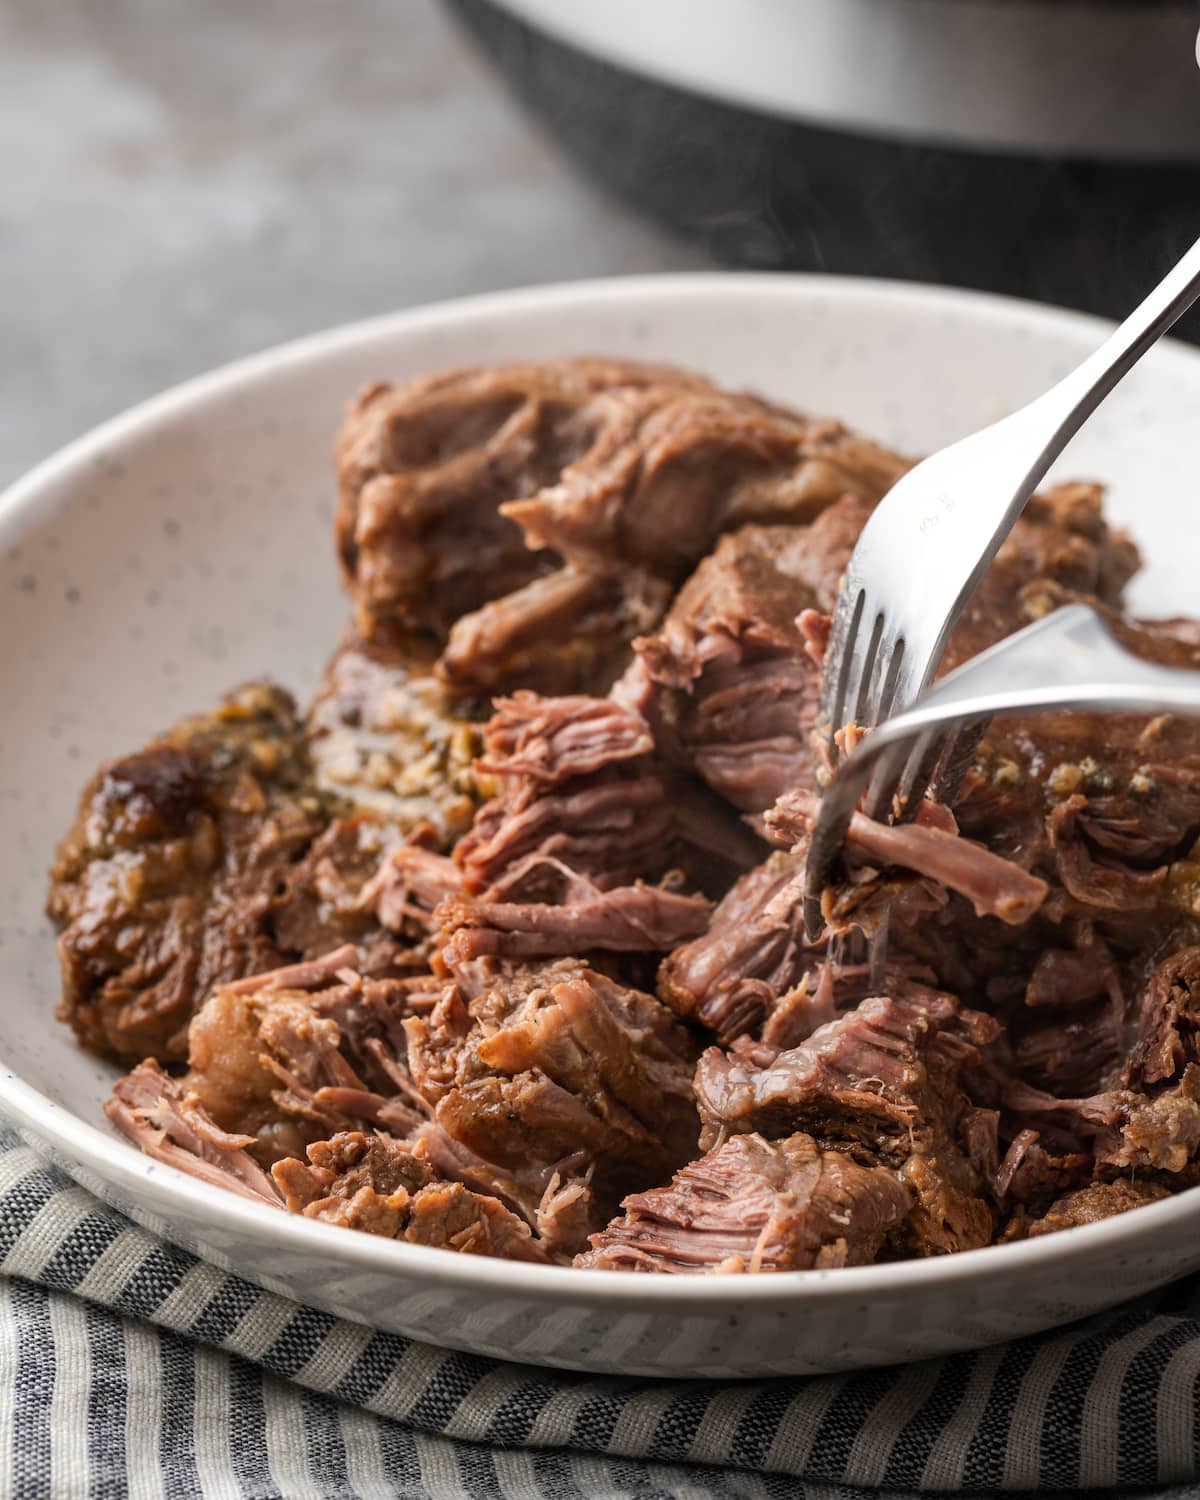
(1048, 148)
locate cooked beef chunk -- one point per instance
(287, 1057)
(1148, 1120)
(555, 1200)
(1087, 1205)
(425, 466)
(1169, 1025)
(675, 468)
(557, 864)
(557, 1063)
(756, 1205)
(1071, 1052)
(383, 735)
(731, 978)
(865, 1076)
(881, 1081)
(205, 857)
(590, 486)
(567, 631)
(167, 1120)
(728, 682)
(387, 1188)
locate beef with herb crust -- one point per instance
(200, 860)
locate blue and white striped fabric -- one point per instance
(128, 1367)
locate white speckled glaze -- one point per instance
(186, 546)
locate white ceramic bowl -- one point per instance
(186, 546)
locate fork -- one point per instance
(1068, 660)
(942, 523)
(928, 543)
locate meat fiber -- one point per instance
(756, 1205)
(167, 1120)
(995, 886)
(561, 861)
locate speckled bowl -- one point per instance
(186, 546)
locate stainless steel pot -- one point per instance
(1043, 147)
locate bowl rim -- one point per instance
(172, 1192)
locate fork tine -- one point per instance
(847, 949)
(913, 782)
(891, 682)
(841, 664)
(885, 782)
(955, 760)
(866, 696)
(825, 846)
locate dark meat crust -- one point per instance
(756, 1205)
(197, 861)
(1087, 1205)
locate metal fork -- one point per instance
(929, 541)
(1069, 660)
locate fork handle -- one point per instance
(1069, 403)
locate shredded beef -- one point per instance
(559, 862)
(289, 1056)
(732, 977)
(384, 1187)
(558, 1062)
(167, 1121)
(756, 1205)
(403, 943)
(728, 682)
(424, 468)
(881, 1081)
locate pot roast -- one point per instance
(496, 947)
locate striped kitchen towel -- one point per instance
(128, 1367)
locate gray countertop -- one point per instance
(191, 182)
